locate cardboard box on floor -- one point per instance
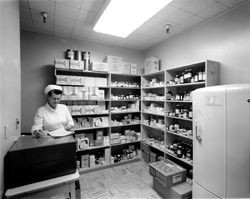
(167, 172)
(180, 191)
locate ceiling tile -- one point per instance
(230, 3)
(72, 3)
(63, 10)
(195, 6)
(192, 20)
(45, 6)
(93, 5)
(64, 21)
(87, 16)
(212, 11)
(81, 32)
(44, 31)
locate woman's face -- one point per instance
(54, 99)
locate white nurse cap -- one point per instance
(52, 87)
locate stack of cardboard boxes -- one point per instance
(169, 180)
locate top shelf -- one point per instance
(154, 74)
(124, 75)
(188, 66)
(80, 72)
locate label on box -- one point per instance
(177, 178)
(62, 63)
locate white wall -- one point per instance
(10, 78)
(38, 52)
(225, 39)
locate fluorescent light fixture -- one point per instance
(122, 17)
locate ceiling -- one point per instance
(75, 19)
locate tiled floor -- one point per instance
(121, 182)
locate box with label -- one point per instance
(65, 92)
(179, 191)
(75, 65)
(74, 80)
(101, 81)
(61, 79)
(85, 161)
(88, 81)
(100, 121)
(101, 94)
(62, 63)
(76, 110)
(75, 93)
(115, 68)
(100, 66)
(92, 161)
(151, 65)
(133, 69)
(168, 173)
(125, 67)
(113, 59)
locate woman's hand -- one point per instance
(40, 133)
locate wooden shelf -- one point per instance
(153, 87)
(180, 135)
(187, 84)
(154, 74)
(93, 148)
(132, 124)
(90, 114)
(153, 100)
(115, 113)
(162, 115)
(153, 127)
(178, 101)
(89, 128)
(126, 88)
(180, 118)
(86, 170)
(113, 145)
(126, 100)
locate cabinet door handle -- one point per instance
(197, 136)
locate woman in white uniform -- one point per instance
(52, 116)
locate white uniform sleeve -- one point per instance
(38, 121)
(70, 122)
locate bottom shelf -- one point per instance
(87, 170)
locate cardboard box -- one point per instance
(100, 66)
(62, 63)
(179, 191)
(75, 64)
(115, 68)
(75, 80)
(133, 69)
(125, 67)
(85, 161)
(168, 173)
(113, 59)
(101, 81)
(100, 121)
(151, 65)
(62, 79)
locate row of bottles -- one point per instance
(180, 111)
(79, 55)
(189, 76)
(182, 150)
(185, 96)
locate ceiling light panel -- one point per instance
(122, 17)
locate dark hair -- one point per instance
(57, 92)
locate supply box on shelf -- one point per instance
(167, 172)
(151, 65)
